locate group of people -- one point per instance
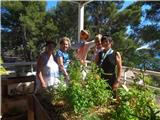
(51, 66)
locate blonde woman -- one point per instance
(62, 56)
(98, 45)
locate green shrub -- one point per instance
(137, 103)
(83, 94)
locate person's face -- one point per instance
(98, 44)
(106, 44)
(50, 47)
(65, 46)
(83, 36)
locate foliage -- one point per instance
(3, 71)
(143, 59)
(91, 117)
(25, 25)
(65, 17)
(152, 30)
(83, 94)
(126, 27)
(148, 32)
(109, 17)
(54, 94)
(138, 103)
(75, 71)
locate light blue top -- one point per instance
(65, 57)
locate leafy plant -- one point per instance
(83, 94)
(3, 71)
(137, 103)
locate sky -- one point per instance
(53, 3)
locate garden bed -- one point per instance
(62, 111)
(90, 100)
(45, 110)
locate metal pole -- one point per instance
(80, 19)
(81, 15)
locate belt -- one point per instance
(109, 73)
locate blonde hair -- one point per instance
(98, 37)
(63, 39)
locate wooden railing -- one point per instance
(31, 64)
(124, 77)
(139, 70)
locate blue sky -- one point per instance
(53, 3)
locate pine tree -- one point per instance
(25, 24)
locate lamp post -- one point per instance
(81, 5)
(80, 19)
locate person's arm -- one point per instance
(76, 46)
(61, 66)
(59, 57)
(119, 70)
(96, 60)
(91, 44)
(86, 48)
(39, 72)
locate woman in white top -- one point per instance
(47, 68)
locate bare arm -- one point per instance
(61, 66)
(39, 72)
(119, 66)
(91, 44)
(119, 71)
(96, 59)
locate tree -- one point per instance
(26, 23)
(65, 16)
(108, 17)
(150, 33)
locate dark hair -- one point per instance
(106, 37)
(51, 42)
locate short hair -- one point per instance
(51, 42)
(64, 39)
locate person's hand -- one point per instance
(116, 85)
(44, 85)
(67, 77)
